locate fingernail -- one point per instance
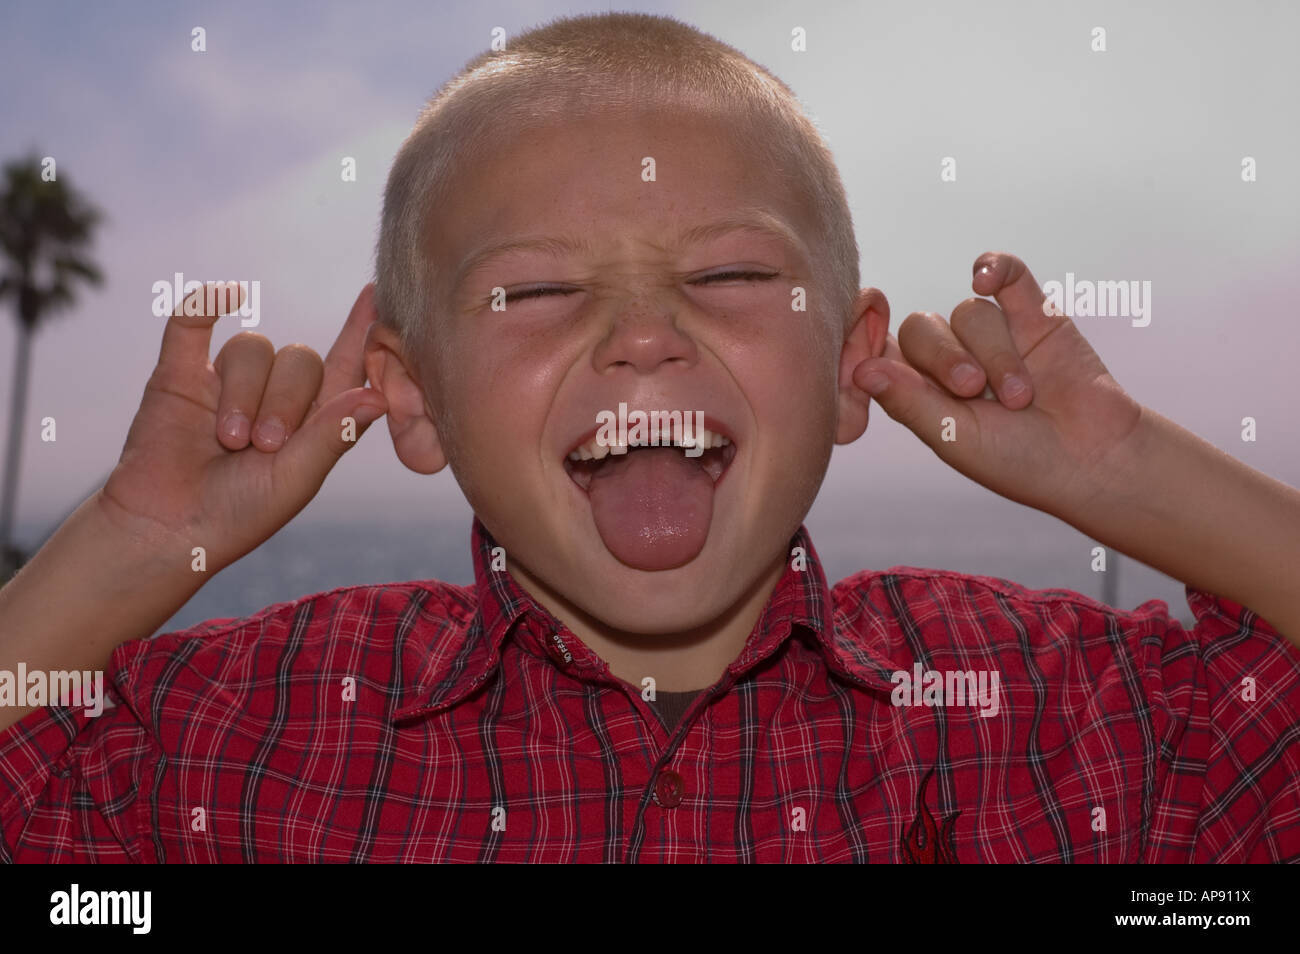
(873, 382)
(235, 426)
(965, 375)
(271, 431)
(1013, 387)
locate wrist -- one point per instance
(84, 593)
(90, 588)
(131, 553)
(1117, 482)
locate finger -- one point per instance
(345, 363)
(1009, 282)
(294, 381)
(187, 338)
(981, 326)
(243, 365)
(929, 345)
(300, 468)
(908, 399)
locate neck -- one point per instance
(678, 662)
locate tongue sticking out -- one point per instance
(652, 507)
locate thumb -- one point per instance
(311, 451)
(910, 399)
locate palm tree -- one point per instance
(45, 227)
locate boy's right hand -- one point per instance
(203, 465)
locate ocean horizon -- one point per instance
(985, 535)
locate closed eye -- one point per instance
(539, 292)
(542, 291)
(748, 275)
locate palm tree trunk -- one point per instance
(9, 559)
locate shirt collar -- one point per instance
(462, 667)
(801, 600)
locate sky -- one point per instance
(1115, 165)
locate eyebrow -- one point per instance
(758, 221)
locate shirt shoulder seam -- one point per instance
(288, 606)
(1012, 590)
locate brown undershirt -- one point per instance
(671, 706)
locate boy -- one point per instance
(621, 218)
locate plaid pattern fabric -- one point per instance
(428, 722)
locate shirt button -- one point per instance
(668, 789)
(556, 649)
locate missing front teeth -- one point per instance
(713, 462)
(596, 451)
(619, 432)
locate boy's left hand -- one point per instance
(1053, 444)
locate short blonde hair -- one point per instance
(582, 64)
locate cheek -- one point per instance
(791, 387)
(498, 401)
(788, 375)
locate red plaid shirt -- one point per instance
(429, 722)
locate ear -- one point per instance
(866, 339)
(410, 419)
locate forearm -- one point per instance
(1181, 505)
(91, 587)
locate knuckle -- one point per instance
(299, 364)
(298, 352)
(291, 389)
(972, 310)
(1014, 264)
(910, 323)
(918, 325)
(251, 339)
(245, 346)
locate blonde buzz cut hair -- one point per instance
(579, 65)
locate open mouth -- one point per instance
(652, 499)
(592, 458)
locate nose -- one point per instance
(644, 338)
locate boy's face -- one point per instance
(652, 541)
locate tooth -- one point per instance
(618, 449)
(574, 455)
(586, 454)
(600, 451)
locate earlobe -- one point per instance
(410, 420)
(866, 339)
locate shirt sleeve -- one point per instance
(1223, 699)
(75, 787)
